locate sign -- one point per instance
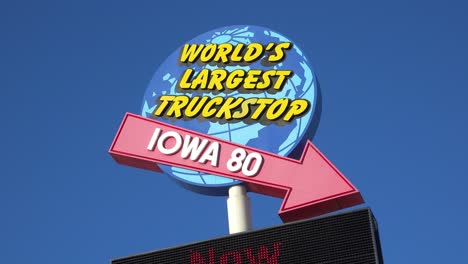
(143, 143)
(246, 84)
(241, 102)
(350, 237)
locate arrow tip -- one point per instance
(317, 188)
(307, 210)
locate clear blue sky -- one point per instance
(394, 82)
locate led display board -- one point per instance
(350, 237)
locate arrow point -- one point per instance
(292, 212)
(317, 189)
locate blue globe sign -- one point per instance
(245, 84)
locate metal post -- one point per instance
(238, 206)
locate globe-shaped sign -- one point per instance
(286, 139)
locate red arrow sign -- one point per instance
(310, 186)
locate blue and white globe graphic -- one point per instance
(282, 139)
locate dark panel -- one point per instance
(350, 237)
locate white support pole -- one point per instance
(238, 206)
